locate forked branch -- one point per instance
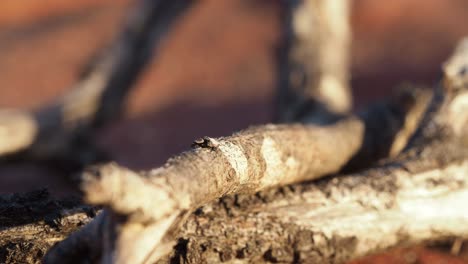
(347, 216)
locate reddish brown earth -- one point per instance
(213, 74)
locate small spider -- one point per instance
(205, 142)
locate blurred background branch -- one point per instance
(63, 131)
(314, 63)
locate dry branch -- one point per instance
(332, 221)
(417, 197)
(314, 61)
(60, 129)
(247, 162)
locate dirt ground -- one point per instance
(213, 74)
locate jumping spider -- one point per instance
(205, 142)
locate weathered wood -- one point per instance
(418, 196)
(31, 223)
(400, 203)
(247, 162)
(332, 221)
(289, 223)
(351, 215)
(390, 117)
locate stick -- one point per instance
(247, 162)
(314, 61)
(59, 130)
(146, 210)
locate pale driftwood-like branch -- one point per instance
(314, 61)
(332, 221)
(417, 197)
(247, 162)
(59, 129)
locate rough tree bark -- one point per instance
(418, 196)
(33, 222)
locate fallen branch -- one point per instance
(332, 221)
(352, 215)
(247, 162)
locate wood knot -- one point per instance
(205, 142)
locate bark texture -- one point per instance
(332, 221)
(31, 223)
(418, 196)
(86, 244)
